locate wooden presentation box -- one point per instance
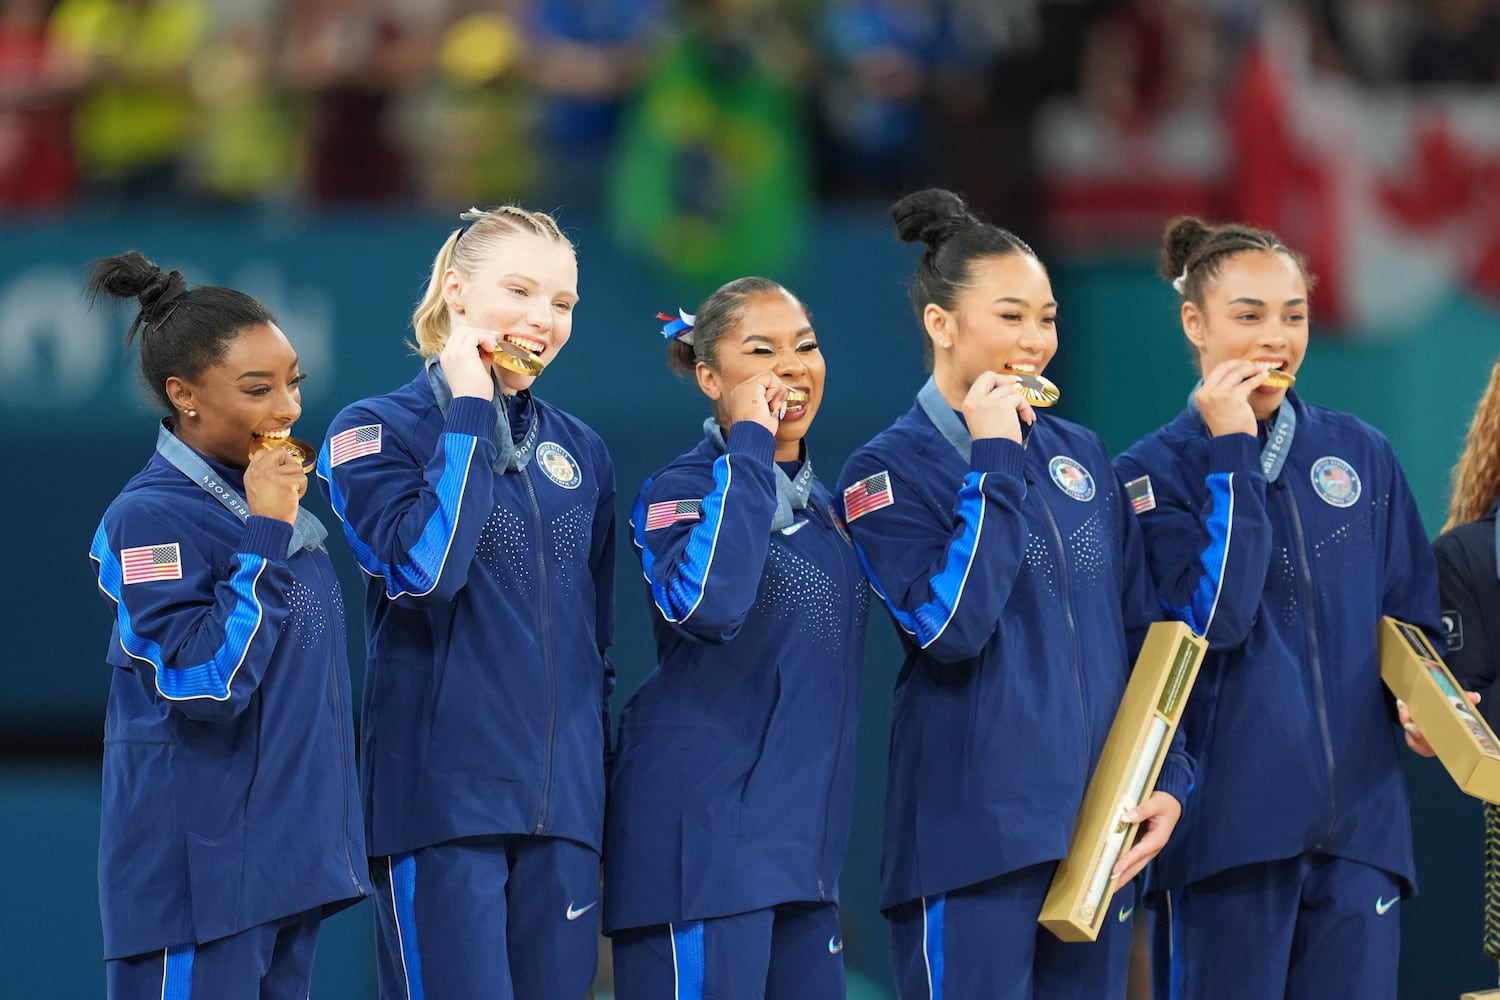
(1457, 733)
(1138, 742)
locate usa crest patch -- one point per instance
(1335, 481)
(1072, 478)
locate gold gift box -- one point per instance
(1457, 733)
(1138, 742)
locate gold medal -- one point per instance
(1278, 379)
(1038, 391)
(302, 453)
(518, 359)
(795, 396)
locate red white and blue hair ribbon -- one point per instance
(679, 327)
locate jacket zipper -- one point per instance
(832, 533)
(1320, 695)
(339, 733)
(546, 631)
(1067, 592)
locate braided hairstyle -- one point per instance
(465, 251)
(1476, 477)
(956, 240)
(182, 332)
(717, 315)
(1193, 253)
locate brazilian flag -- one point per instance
(710, 170)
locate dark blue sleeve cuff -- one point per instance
(473, 416)
(1176, 778)
(1234, 453)
(748, 438)
(267, 537)
(997, 455)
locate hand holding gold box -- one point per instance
(1460, 737)
(1132, 758)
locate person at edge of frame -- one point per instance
(1469, 591)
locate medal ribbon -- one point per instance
(513, 457)
(1278, 441)
(791, 494)
(307, 533)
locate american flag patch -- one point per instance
(866, 495)
(354, 442)
(151, 562)
(659, 515)
(1142, 498)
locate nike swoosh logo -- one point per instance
(1125, 914)
(575, 914)
(792, 529)
(1382, 904)
(835, 945)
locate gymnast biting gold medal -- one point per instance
(304, 454)
(1039, 391)
(1278, 379)
(795, 396)
(517, 358)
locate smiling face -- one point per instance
(773, 335)
(255, 392)
(1256, 308)
(1005, 317)
(525, 291)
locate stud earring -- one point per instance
(193, 414)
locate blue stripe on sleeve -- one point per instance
(689, 961)
(425, 560)
(678, 599)
(213, 677)
(403, 872)
(1220, 524)
(928, 621)
(177, 973)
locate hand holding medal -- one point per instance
(276, 478)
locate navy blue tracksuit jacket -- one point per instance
(230, 798)
(1295, 735)
(489, 603)
(733, 782)
(1019, 589)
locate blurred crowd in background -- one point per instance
(706, 129)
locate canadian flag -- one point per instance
(1393, 197)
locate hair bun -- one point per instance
(1183, 236)
(930, 216)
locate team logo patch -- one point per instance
(1336, 481)
(557, 465)
(351, 444)
(151, 562)
(1142, 497)
(1453, 626)
(870, 493)
(1072, 478)
(659, 515)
